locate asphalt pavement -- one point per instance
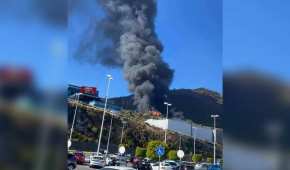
(84, 167)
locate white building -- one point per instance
(185, 128)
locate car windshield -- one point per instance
(97, 157)
(116, 168)
(69, 156)
(107, 169)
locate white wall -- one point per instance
(183, 127)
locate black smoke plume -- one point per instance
(128, 26)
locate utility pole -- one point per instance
(167, 105)
(109, 78)
(194, 139)
(214, 140)
(74, 118)
(122, 134)
(108, 141)
(179, 147)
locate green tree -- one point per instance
(197, 158)
(94, 129)
(172, 155)
(152, 145)
(140, 152)
(209, 160)
(222, 162)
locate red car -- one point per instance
(80, 158)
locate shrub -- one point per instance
(152, 145)
(172, 155)
(209, 160)
(197, 158)
(140, 152)
(222, 162)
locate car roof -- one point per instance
(118, 167)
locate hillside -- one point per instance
(136, 133)
(196, 104)
(193, 104)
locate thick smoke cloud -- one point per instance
(133, 45)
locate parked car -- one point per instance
(121, 161)
(201, 166)
(143, 165)
(117, 168)
(87, 159)
(71, 162)
(97, 161)
(214, 167)
(80, 157)
(172, 163)
(163, 166)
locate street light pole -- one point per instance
(108, 142)
(214, 140)
(109, 78)
(74, 118)
(179, 147)
(165, 135)
(123, 122)
(194, 138)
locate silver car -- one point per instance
(201, 166)
(97, 161)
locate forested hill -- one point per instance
(194, 104)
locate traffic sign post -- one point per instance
(122, 150)
(180, 155)
(159, 151)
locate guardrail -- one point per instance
(90, 107)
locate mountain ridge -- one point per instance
(190, 104)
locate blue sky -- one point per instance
(256, 36)
(197, 46)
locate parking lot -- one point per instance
(83, 167)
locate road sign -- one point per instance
(180, 154)
(160, 151)
(69, 143)
(122, 149)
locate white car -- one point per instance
(97, 161)
(117, 168)
(201, 166)
(87, 159)
(163, 166)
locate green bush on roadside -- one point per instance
(140, 152)
(197, 158)
(209, 160)
(152, 145)
(172, 155)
